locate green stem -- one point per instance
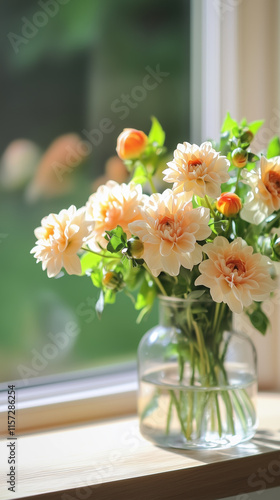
(156, 280)
(239, 410)
(101, 254)
(182, 366)
(237, 180)
(152, 184)
(216, 315)
(191, 396)
(169, 416)
(209, 206)
(200, 347)
(181, 375)
(249, 405)
(178, 409)
(228, 403)
(226, 397)
(213, 416)
(201, 407)
(219, 320)
(220, 429)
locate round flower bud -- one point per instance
(239, 157)
(276, 247)
(247, 135)
(112, 280)
(135, 248)
(131, 143)
(229, 204)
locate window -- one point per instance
(64, 69)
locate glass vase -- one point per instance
(197, 377)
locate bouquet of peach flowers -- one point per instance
(219, 221)
(212, 232)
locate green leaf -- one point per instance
(117, 239)
(89, 261)
(199, 202)
(134, 276)
(245, 145)
(220, 226)
(179, 289)
(110, 297)
(157, 133)
(250, 166)
(145, 298)
(146, 295)
(96, 277)
(257, 317)
(140, 175)
(195, 295)
(142, 313)
(236, 131)
(224, 143)
(273, 147)
(229, 124)
(255, 126)
(252, 158)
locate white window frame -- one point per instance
(223, 80)
(214, 66)
(72, 398)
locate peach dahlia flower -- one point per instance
(60, 237)
(169, 229)
(113, 205)
(198, 170)
(264, 197)
(234, 274)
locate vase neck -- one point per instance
(169, 309)
(179, 312)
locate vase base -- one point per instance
(212, 442)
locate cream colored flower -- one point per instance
(113, 205)
(60, 237)
(169, 229)
(198, 170)
(234, 274)
(264, 197)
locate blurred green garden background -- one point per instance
(63, 78)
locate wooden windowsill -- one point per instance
(110, 459)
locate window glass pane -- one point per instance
(65, 67)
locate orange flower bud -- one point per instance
(229, 204)
(113, 281)
(131, 143)
(239, 157)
